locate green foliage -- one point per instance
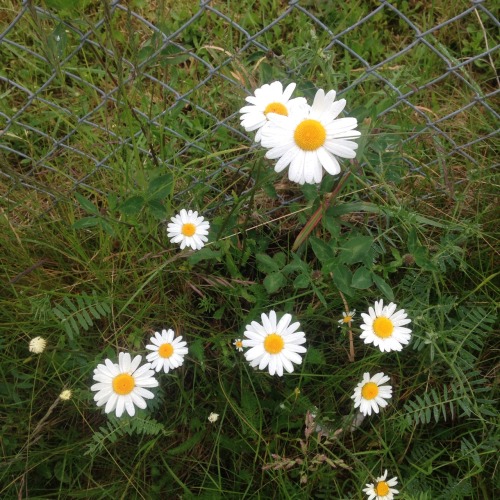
(116, 428)
(125, 129)
(81, 312)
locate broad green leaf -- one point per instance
(321, 249)
(157, 209)
(86, 204)
(204, 254)
(342, 277)
(266, 263)
(301, 281)
(331, 224)
(357, 249)
(86, 222)
(362, 278)
(274, 281)
(132, 206)
(383, 286)
(161, 187)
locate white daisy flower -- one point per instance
(347, 317)
(213, 417)
(370, 394)
(122, 385)
(37, 345)
(310, 139)
(270, 98)
(273, 343)
(383, 326)
(188, 229)
(168, 353)
(238, 345)
(382, 489)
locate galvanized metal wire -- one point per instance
(25, 168)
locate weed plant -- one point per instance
(125, 131)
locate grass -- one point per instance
(122, 134)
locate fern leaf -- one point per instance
(116, 428)
(80, 313)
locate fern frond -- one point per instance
(116, 428)
(80, 313)
(437, 405)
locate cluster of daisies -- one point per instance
(124, 385)
(278, 345)
(306, 138)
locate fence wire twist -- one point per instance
(43, 77)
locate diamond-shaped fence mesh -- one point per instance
(160, 84)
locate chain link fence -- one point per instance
(92, 91)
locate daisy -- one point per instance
(270, 98)
(370, 394)
(382, 490)
(273, 343)
(37, 345)
(168, 353)
(347, 317)
(310, 139)
(122, 385)
(188, 229)
(383, 326)
(238, 345)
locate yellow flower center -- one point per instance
(383, 327)
(166, 350)
(347, 319)
(309, 135)
(274, 343)
(369, 390)
(239, 344)
(382, 488)
(123, 384)
(276, 107)
(188, 229)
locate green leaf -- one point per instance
(266, 263)
(331, 224)
(86, 222)
(301, 281)
(274, 281)
(357, 249)
(296, 265)
(348, 208)
(197, 351)
(383, 286)
(186, 445)
(157, 209)
(362, 278)
(132, 206)
(173, 55)
(161, 187)
(321, 249)
(315, 356)
(342, 278)
(413, 243)
(419, 252)
(87, 205)
(204, 254)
